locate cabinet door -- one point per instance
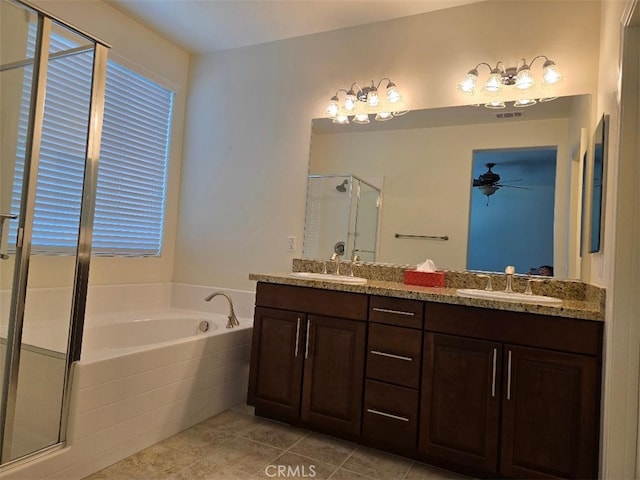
(550, 410)
(460, 405)
(333, 373)
(275, 380)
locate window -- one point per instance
(132, 171)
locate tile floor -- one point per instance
(237, 445)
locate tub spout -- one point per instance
(233, 320)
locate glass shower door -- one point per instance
(51, 121)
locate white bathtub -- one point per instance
(124, 333)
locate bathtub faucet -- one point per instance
(233, 320)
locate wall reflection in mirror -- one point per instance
(424, 164)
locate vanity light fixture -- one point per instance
(361, 103)
(519, 77)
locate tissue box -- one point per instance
(424, 279)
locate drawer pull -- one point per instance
(391, 355)
(493, 380)
(389, 415)
(396, 312)
(306, 347)
(509, 377)
(297, 336)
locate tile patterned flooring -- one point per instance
(235, 445)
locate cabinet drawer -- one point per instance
(317, 301)
(396, 311)
(390, 415)
(393, 354)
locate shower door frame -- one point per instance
(26, 218)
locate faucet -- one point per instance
(233, 320)
(508, 273)
(336, 258)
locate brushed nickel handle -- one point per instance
(388, 415)
(297, 336)
(396, 312)
(306, 348)
(493, 376)
(391, 355)
(3, 217)
(509, 377)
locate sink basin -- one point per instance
(328, 277)
(508, 297)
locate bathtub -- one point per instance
(145, 376)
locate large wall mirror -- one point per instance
(423, 163)
(598, 182)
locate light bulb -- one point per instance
(468, 85)
(361, 118)
(393, 95)
(332, 109)
(384, 116)
(350, 101)
(524, 102)
(550, 73)
(372, 97)
(495, 105)
(494, 82)
(524, 79)
(341, 118)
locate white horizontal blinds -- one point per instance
(133, 165)
(62, 149)
(129, 212)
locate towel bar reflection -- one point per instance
(424, 237)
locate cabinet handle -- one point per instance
(396, 312)
(306, 347)
(493, 375)
(297, 336)
(389, 415)
(509, 377)
(391, 355)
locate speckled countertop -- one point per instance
(587, 304)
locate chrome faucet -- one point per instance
(336, 259)
(233, 320)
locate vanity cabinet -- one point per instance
(510, 393)
(308, 355)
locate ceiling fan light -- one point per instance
(488, 190)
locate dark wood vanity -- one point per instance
(492, 393)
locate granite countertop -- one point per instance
(579, 309)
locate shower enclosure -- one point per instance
(38, 348)
(342, 216)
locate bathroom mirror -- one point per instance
(598, 182)
(424, 161)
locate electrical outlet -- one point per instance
(291, 244)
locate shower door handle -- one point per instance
(3, 217)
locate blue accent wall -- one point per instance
(517, 223)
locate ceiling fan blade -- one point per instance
(513, 186)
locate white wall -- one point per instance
(139, 48)
(250, 110)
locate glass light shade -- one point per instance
(495, 105)
(551, 74)
(372, 98)
(524, 79)
(400, 112)
(361, 118)
(546, 99)
(384, 116)
(341, 118)
(332, 109)
(494, 82)
(468, 85)
(393, 95)
(524, 102)
(350, 101)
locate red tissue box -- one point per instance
(424, 279)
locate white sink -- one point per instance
(328, 277)
(508, 296)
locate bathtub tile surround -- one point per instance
(237, 445)
(123, 401)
